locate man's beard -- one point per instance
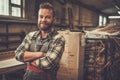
(45, 28)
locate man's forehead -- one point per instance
(45, 11)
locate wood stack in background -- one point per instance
(102, 59)
(97, 58)
(102, 56)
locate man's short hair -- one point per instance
(47, 5)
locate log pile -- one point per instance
(102, 55)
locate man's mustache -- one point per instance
(43, 22)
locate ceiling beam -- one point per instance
(117, 3)
(86, 6)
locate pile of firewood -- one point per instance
(105, 61)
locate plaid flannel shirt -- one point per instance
(32, 42)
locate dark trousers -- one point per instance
(31, 75)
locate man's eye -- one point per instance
(40, 16)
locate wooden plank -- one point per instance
(11, 65)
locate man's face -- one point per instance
(45, 19)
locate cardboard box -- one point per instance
(71, 65)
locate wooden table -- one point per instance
(10, 65)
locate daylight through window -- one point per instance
(12, 8)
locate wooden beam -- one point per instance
(86, 6)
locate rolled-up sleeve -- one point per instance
(53, 55)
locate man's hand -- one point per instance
(34, 61)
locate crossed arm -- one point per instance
(40, 59)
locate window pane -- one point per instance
(16, 2)
(4, 9)
(100, 20)
(104, 21)
(16, 12)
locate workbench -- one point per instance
(11, 65)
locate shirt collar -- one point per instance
(50, 34)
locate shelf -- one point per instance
(18, 21)
(9, 49)
(7, 43)
(12, 34)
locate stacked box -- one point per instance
(71, 65)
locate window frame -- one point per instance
(22, 10)
(102, 20)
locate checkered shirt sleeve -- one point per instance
(24, 46)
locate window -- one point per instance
(102, 20)
(114, 17)
(13, 8)
(4, 5)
